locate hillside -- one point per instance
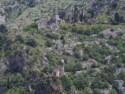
(20, 13)
(62, 47)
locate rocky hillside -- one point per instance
(20, 12)
(62, 47)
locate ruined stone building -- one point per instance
(58, 72)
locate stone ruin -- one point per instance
(58, 72)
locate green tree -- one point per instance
(117, 17)
(122, 75)
(67, 82)
(88, 90)
(3, 28)
(81, 83)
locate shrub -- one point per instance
(97, 91)
(88, 90)
(101, 35)
(122, 75)
(77, 52)
(53, 58)
(67, 82)
(52, 36)
(100, 84)
(31, 42)
(19, 38)
(3, 28)
(114, 5)
(31, 27)
(73, 67)
(49, 43)
(80, 83)
(97, 52)
(17, 90)
(120, 34)
(84, 29)
(113, 91)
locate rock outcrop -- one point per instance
(50, 22)
(119, 84)
(2, 19)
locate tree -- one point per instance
(76, 15)
(31, 42)
(3, 28)
(67, 83)
(88, 90)
(122, 75)
(81, 17)
(114, 5)
(8, 83)
(91, 11)
(117, 17)
(81, 83)
(97, 91)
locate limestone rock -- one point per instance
(51, 22)
(119, 84)
(2, 19)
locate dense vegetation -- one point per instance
(93, 51)
(26, 49)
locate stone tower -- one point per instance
(62, 70)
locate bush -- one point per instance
(80, 83)
(122, 75)
(17, 90)
(31, 42)
(53, 58)
(120, 34)
(97, 52)
(19, 38)
(114, 5)
(77, 52)
(115, 41)
(97, 91)
(49, 43)
(100, 84)
(52, 36)
(101, 35)
(31, 27)
(88, 90)
(113, 91)
(73, 67)
(3, 28)
(86, 29)
(67, 82)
